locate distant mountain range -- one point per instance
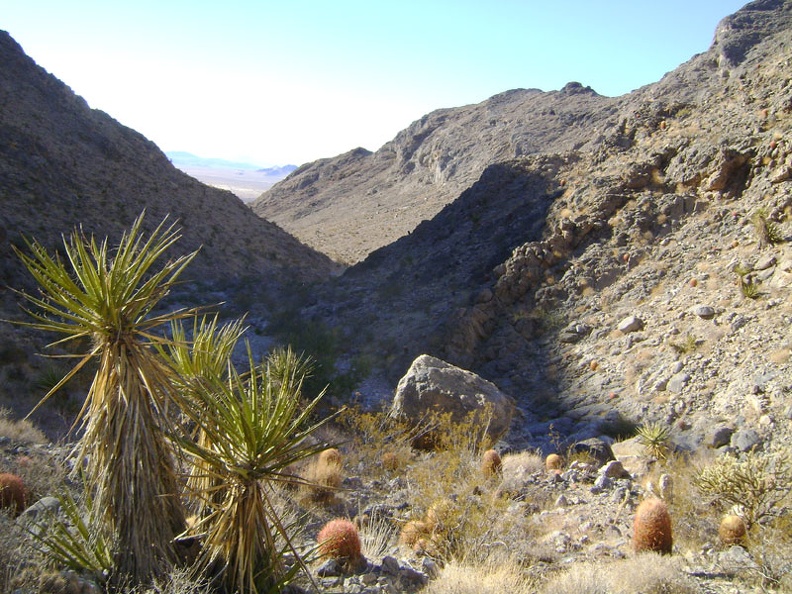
(245, 180)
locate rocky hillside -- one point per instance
(623, 272)
(63, 164)
(352, 204)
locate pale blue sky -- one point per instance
(290, 82)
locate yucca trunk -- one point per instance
(240, 538)
(130, 462)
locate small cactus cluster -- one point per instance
(13, 493)
(339, 539)
(491, 465)
(652, 527)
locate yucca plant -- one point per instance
(108, 297)
(655, 437)
(201, 361)
(69, 540)
(255, 426)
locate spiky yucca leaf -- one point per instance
(72, 543)
(108, 297)
(201, 362)
(256, 426)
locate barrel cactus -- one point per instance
(339, 539)
(652, 527)
(491, 465)
(13, 493)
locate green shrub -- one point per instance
(756, 483)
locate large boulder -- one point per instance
(432, 386)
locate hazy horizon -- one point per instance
(274, 84)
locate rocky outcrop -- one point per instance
(350, 205)
(434, 387)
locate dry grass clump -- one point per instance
(322, 477)
(19, 431)
(487, 578)
(647, 573)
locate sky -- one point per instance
(275, 83)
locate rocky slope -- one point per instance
(352, 204)
(647, 211)
(63, 164)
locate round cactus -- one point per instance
(412, 532)
(339, 539)
(13, 493)
(491, 464)
(652, 527)
(330, 457)
(390, 461)
(554, 462)
(732, 530)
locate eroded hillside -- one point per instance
(527, 276)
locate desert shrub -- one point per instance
(756, 484)
(375, 435)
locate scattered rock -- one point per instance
(704, 311)
(744, 440)
(598, 449)
(719, 437)
(630, 324)
(678, 382)
(614, 469)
